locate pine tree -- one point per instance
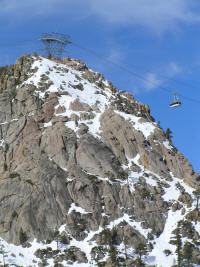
(178, 246)
(140, 250)
(125, 241)
(22, 236)
(197, 196)
(109, 237)
(113, 254)
(187, 254)
(168, 134)
(176, 240)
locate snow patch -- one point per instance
(167, 145)
(2, 143)
(147, 128)
(77, 209)
(47, 124)
(135, 225)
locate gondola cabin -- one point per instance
(176, 102)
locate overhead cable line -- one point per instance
(16, 43)
(120, 66)
(132, 72)
(186, 84)
(98, 55)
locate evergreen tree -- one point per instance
(197, 196)
(187, 254)
(22, 236)
(125, 241)
(178, 246)
(109, 239)
(176, 240)
(168, 134)
(113, 254)
(140, 250)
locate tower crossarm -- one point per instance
(54, 39)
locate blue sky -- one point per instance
(158, 40)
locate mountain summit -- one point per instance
(88, 178)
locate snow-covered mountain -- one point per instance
(88, 178)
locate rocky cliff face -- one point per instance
(84, 166)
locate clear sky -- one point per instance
(157, 40)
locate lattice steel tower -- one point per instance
(55, 43)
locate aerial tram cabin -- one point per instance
(176, 102)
